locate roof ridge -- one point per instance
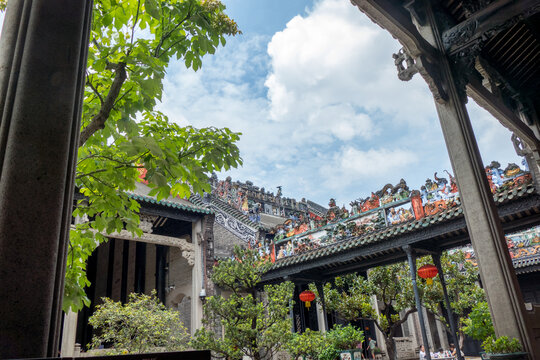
(232, 211)
(404, 227)
(176, 205)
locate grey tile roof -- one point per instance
(526, 261)
(141, 194)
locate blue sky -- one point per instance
(313, 88)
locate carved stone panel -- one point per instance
(239, 229)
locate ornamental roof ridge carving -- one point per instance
(259, 193)
(396, 230)
(219, 205)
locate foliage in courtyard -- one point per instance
(253, 323)
(351, 297)
(141, 325)
(344, 337)
(327, 346)
(461, 277)
(131, 44)
(478, 325)
(308, 344)
(501, 345)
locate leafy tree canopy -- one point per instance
(254, 324)
(141, 325)
(122, 136)
(351, 295)
(478, 325)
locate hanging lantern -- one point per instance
(307, 296)
(428, 272)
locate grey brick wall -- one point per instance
(224, 241)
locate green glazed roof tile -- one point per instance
(172, 204)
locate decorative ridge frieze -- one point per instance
(238, 228)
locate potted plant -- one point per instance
(503, 348)
(379, 354)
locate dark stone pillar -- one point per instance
(42, 62)
(160, 272)
(125, 269)
(453, 325)
(140, 267)
(411, 257)
(110, 268)
(483, 223)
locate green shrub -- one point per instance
(501, 345)
(317, 346)
(141, 325)
(345, 337)
(330, 352)
(308, 344)
(479, 325)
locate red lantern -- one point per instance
(307, 296)
(428, 272)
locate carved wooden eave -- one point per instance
(469, 30)
(487, 22)
(397, 21)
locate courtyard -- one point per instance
(123, 125)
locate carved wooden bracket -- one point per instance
(407, 67)
(405, 73)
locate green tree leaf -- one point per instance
(121, 133)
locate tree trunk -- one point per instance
(461, 339)
(391, 348)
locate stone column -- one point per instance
(320, 317)
(379, 336)
(69, 332)
(42, 62)
(483, 223)
(197, 279)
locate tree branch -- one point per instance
(401, 321)
(89, 83)
(133, 27)
(168, 48)
(98, 121)
(121, 97)
(92, 173)
(169, 33)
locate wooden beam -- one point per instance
(496, 107)
(397, 21)
(494, 18)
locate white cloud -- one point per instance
(320, 107)
(337, 55)
(360, 163)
